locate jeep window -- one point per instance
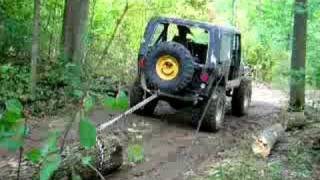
(225, 50)
(157, 34)
(195, 39)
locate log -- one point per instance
(295, 120)
(267, 138)
(106, 158)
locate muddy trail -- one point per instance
(173, 149)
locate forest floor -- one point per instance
(173, 150)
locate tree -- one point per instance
(74, 29)
(298, 57)
(35, 46)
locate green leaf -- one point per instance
(135, 153)
(49, 166)
(78, 93)
(11, 144)
(12, 117)
(88, 103)
(120, 103)
(86, 160)
(51, 145)
(14, 106)
(88, 133)
(4, 69)
(109, 102)
(34, 155)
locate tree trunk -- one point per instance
(234, 13)
(74, 29)
(297, 79)
(35, 47)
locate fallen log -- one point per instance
(295, 120)
(267, 138)
(106, 157)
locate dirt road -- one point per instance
(172, 151)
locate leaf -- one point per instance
(49, 166)
(34, 155)
(4, 69)
(88, 103)
(109, 102)
(86, 160)
(12, 117)
(14, 106)
(78, 93)
(88, 133)
(51, 144)
(11, 144)
(135, 153)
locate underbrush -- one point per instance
(297, 163)
(57, 87)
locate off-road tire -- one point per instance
(241, 98)
(186, 67)
(214, 116)
(136, 95)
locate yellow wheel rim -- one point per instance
(167, 67)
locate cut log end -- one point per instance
(264, 143)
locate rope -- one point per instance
(129, 111)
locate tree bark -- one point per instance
(35, 47)
(74, 29)
(297, 79)
(268, 137)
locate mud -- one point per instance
(173, 149)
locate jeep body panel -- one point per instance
(217, 64)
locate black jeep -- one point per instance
(192, 64)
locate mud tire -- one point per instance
(214, 117)
(185, 60)
(136, 95)
(241, 98)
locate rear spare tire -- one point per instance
(169, 67)
(136, 95)
(241, 97)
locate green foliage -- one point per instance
(51, 145)
(12, 128)
(87, 133)
(49, 166)
(86, 160)
(34, 156)
(88, 103)
(118, 103)
(14, 82)
(135, 153)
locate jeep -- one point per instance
(192, 64)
